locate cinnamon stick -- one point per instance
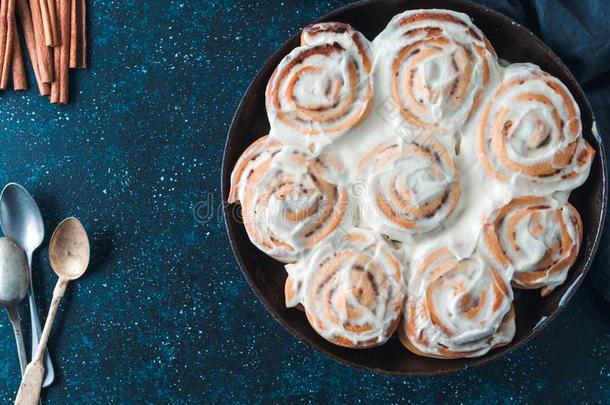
(43, 53)
(73, 34)
(8, 44)
(3, 31)
(54, 96)
(53, 19)
(61, 55)
(56, 58)
(51, 65)
(78, 38)
(25, 17)
(46, 21)
(19, 76)
(64, 66)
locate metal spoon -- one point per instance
(13, 289)
(21, 221)
(69, 256)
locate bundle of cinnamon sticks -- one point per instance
(56, 40)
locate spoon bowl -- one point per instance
(20, 217)
(69, 249)
(14, 274)
(14, 286)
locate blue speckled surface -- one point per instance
(164, 314)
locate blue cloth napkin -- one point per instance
(579, 32)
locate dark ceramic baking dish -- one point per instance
(266, 276)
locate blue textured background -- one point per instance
(164, 314)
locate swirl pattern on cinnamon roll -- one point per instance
(436, 67)
(291, 199)
(537, 238)
(530, 133)
(456, 308)
(324, 86)
(411, 187)
(351, 288)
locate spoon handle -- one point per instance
(37, 329)
(58, 293)
(13, 314)
(31, 384)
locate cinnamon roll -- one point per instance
(411, 187)
(324, 86)
(537, 238)
(530, 133)
(351, 288)
(456, 308)
(291, 199)
(436, 66)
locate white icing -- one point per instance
(567, 295)
(595, 132)
(540, 322)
